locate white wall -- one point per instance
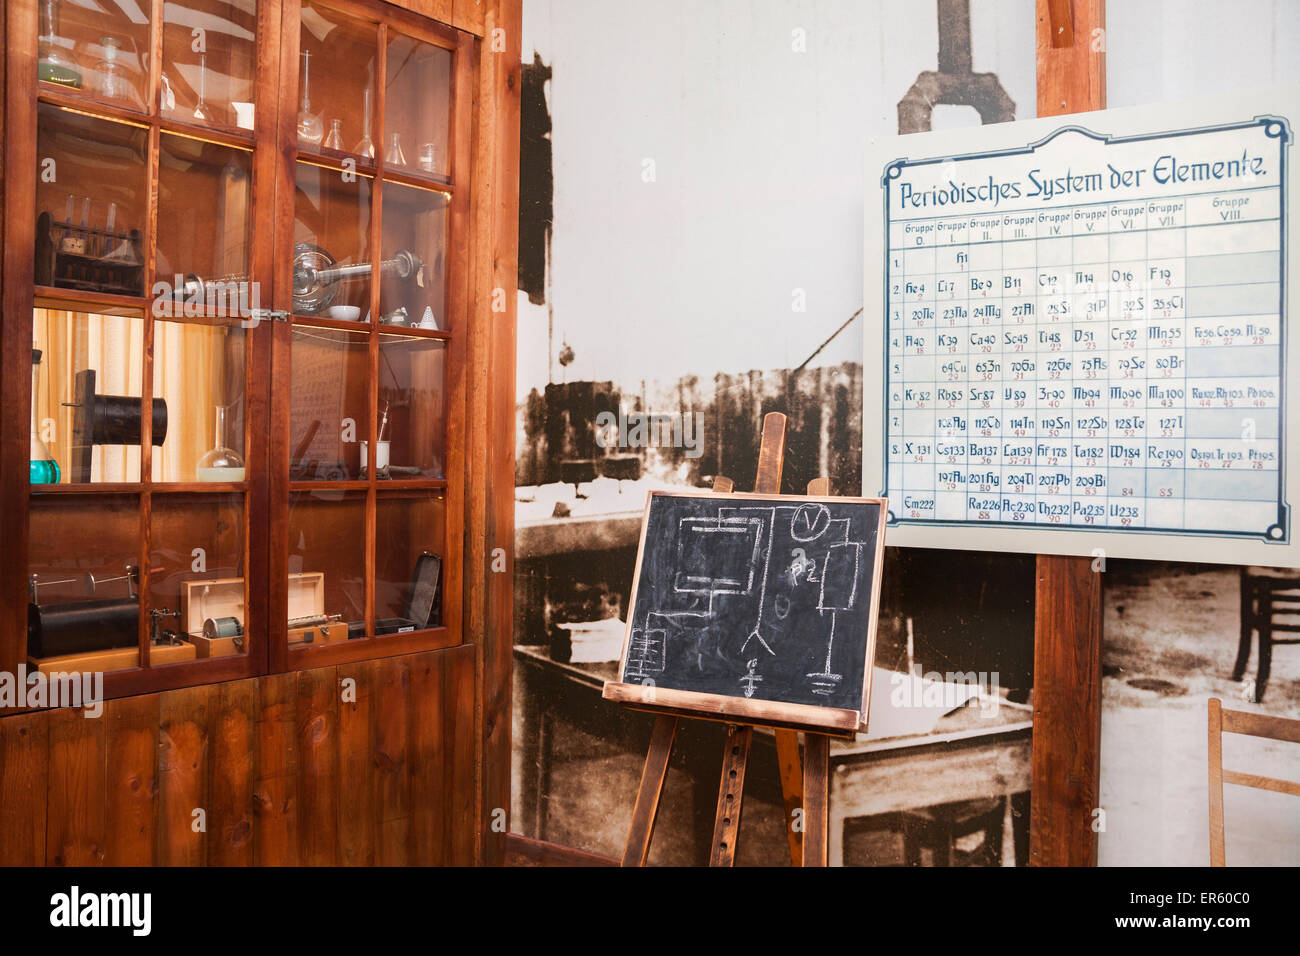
(758, 158)
(1162, 50)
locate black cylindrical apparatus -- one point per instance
(82, 626)
(116, 420)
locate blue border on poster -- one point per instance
(1275, 127)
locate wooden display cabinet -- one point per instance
(249, 283)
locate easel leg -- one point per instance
(816, 792)
(731, 793)
(787, 758)
(647, 795)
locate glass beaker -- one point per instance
(53, 63)
(44, 469)
(428, 157)
(221, 463)
(310, 128)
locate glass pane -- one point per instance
(412, 403)
(329, 409)
(100, 49)
(197, 572)
(336, 78)
(417, 108)
(409, 533)
(199, 372)
(331, 229)
(413, 287)
(204, 220)
(86, 387)
(83, 555)
(209, 57)
(327, 566)
(91, 203)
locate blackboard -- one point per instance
(757, 607)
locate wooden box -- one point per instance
(224, 597)
(114, 659)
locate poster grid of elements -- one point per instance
(1081, 334)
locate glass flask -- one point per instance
(395, 156)
(310, 128)
(221, 463)
(203, 112)
(53, 63)
(112, 83)
(367, 145)
(44, 469)
(335, 139)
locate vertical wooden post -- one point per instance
(1218, 855)
(1067, 597)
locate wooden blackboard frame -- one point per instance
(665, 700)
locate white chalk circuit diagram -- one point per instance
(791, 569)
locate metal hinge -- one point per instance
(275, 315)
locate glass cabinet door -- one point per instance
(371, 341)
(246, 334)
(148, 397)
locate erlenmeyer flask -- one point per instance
(394, 156)
(335, 139)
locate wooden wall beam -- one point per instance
(497, 146)
(1067, 594)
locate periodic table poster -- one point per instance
(1078, 327)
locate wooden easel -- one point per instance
(805, 785)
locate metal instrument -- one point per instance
(316, 277)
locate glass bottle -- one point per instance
(53, 63)
(395, 156)
(367, 145)
(112, 82)
(44, 469)
(335, 139)
(310, 128)
(221, 463)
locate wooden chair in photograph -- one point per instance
(1254, 725)
(1270, 604)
